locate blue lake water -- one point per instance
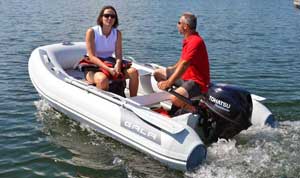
(254, 44)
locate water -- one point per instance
(255, 44)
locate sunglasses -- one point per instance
(109, 15)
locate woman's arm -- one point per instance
(118, 52)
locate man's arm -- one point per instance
(174, 66)
(181, 67)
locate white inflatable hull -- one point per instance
(128, 120)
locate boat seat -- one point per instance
(151, 99)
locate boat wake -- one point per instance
(255, 152)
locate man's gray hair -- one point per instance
(190, 20)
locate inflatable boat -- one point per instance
(297, 3)
(178, 141)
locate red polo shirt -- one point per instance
(194, 51)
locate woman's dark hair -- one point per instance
(100, 21)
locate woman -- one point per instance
(102, 41)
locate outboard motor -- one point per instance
(227, 111)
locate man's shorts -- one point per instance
(190, 86)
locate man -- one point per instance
(191, 72)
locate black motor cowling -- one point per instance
(229, 110)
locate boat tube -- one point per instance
(297, 3)
(178, 141)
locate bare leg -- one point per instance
(160, 75)
(90, 77)
(179, 103)
(133, 76)
(101, 81)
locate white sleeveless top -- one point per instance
(105, 46)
